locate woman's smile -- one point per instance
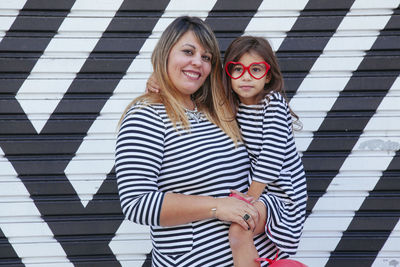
(192, 74)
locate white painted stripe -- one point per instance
(40, 108)
(372, 4)
(127, 236)
(12, 4)
(21, 235)
(274, 19)
(333, 200)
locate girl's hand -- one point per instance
(234, 210)
(247, 198)
(152, 85)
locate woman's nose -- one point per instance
(196, 60)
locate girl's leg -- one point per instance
(241, 241)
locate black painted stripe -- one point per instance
(8, 256)
(307, 39)
(229, 19)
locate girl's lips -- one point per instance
(246, 87)
(192, 74)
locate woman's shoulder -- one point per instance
(145, 109)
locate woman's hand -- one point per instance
(152, 85)
(234, 210)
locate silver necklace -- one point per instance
(193, 114)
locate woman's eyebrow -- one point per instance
(194, 47)
(187, 44)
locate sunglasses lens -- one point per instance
(235, 70)
(258, 70)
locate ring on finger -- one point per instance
(246, 217)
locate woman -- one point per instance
(179, 154)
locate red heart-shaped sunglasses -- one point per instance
(257, 70)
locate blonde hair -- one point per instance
(210, 98)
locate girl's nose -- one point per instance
(246, 75)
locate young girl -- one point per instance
(254, 86)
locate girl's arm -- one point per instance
(275, 138)
(256, 189)
(152, 85)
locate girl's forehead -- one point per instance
(250, 57)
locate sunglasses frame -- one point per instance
(268, 67)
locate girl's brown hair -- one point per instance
(210, 98)
(261, 47)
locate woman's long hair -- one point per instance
(210, 98)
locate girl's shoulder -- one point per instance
(274, 98)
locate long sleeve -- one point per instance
(274, 141)
(139, 154)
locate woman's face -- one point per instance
(189, 64)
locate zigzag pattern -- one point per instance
(69, 68)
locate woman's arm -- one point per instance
(139, 155)
(138, 159)
(180, 209)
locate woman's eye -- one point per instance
(256, 69)
(188, 52)
(238, 69)
(206, 58)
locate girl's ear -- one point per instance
(268, 78)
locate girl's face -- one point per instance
(247, 87)
(189, 64)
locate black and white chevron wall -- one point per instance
(68, 68)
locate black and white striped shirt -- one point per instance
(267, 133)
(152, 158)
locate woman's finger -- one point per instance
(250, 222)
(253, 214)
(242, 223)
